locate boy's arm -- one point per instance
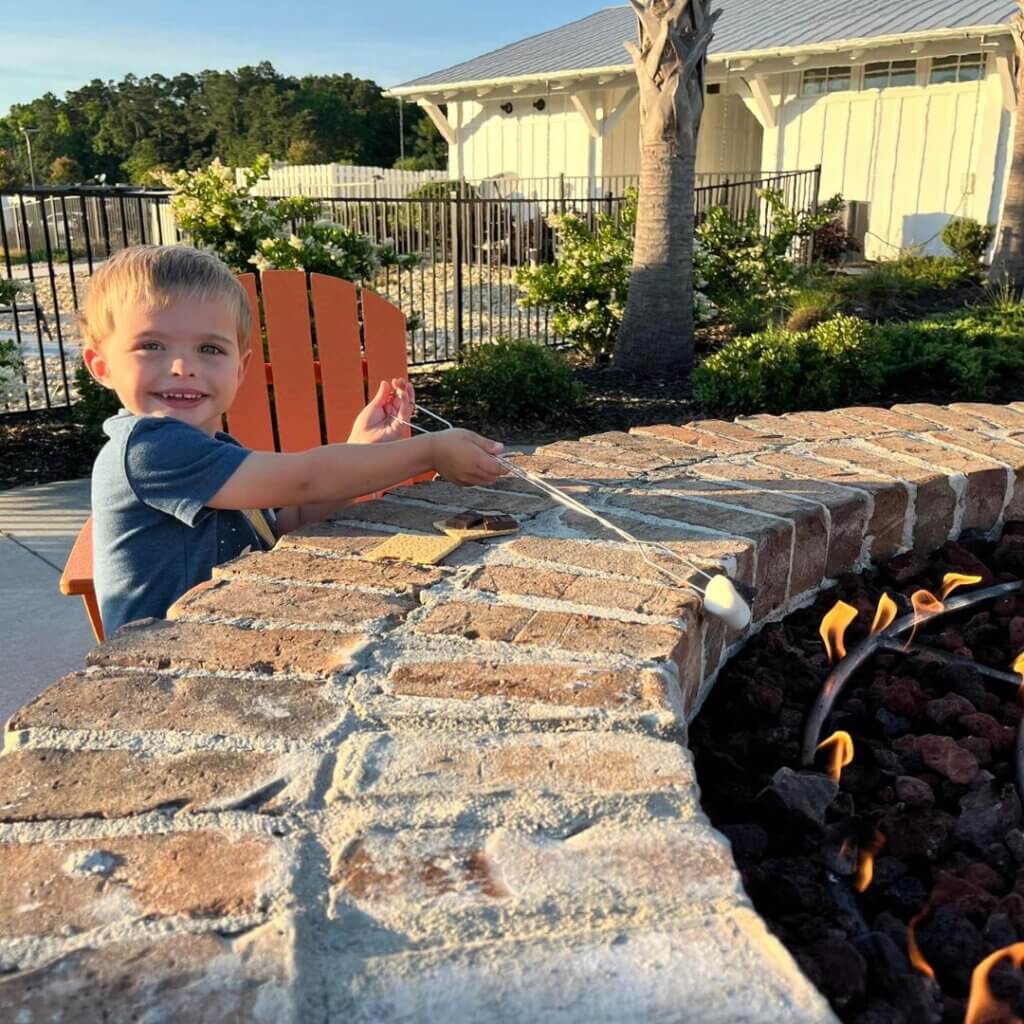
(336, 473)
(296, 516)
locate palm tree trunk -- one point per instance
(656, 337)
(1008, 262)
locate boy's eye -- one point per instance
(150, 345)
(216, 349)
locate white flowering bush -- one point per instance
(254, 232)
(585, 288)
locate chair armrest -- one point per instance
(77, 576)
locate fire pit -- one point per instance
(872, 797)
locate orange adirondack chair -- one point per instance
(350, 367)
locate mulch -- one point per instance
(40, 448)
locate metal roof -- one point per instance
(745, 26)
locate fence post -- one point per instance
(457, 241)
(561, 193)
(814, 210)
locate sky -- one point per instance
(390, 41)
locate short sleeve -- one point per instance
(175, 468)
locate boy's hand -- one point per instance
(378, 422)
(465, 458)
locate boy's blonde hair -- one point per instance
(152, 275)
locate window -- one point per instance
(964, 67)
(818, 81)
(890, 74)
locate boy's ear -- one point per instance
(97, 366)
(243, 365)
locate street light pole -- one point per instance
(28, 144)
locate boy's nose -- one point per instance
(180, 368)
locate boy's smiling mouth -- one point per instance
(181, 398)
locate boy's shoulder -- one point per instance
(130, 427)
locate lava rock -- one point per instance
(917, 833)
(950, 640)
(749, 842)
(952, 945)
(906, 894)
(1009, 555)
(968, 899)
(904, 697)
(943, 755)
(913, 792)
(987, 818)
(892, 725)
(986, 727)
(1014, 840)
(843, 971)
(948, 709)
(999, 931)
(981, 749)
(805, 796)
(1016, 629)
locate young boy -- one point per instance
(167, 328)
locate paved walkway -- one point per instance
(43, 635)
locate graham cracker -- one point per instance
(472, 534)
(419, 549)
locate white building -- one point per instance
(908, 107)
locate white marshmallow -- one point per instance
(722, 601)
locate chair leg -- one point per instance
(92, 609)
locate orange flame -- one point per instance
(982, 1005)
(914, 950)
(954, 580)
(840, 744)
(866, 862)
(1018, 665)
(886, 614)
(926, 604)
(833, 630)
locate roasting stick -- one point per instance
(720, 596)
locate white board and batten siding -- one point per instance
(544, 144)
(918, 154)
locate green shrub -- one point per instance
(973, 355)
(968, 240)
(776, 370)
(748, 275)
(586, 287)
(512, 380)
(95, 404)
(970, 356)
(891, 288)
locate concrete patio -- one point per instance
(43, 635)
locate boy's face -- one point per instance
(180, 361)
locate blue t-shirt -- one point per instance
(153, 536)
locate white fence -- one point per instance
(339, 181)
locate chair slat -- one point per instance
(384, 330)
(249, 416)
(286, 307)
(336, 315)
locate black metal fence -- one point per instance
(460, 293)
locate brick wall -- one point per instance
(333, 789)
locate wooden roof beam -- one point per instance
(443, 125)
(760, 102)
(587, 111)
